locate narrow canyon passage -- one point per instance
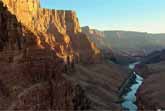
(130, 97)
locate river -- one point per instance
(130, 97)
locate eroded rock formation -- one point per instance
(58, 29)
(31, 72)
(36, 45)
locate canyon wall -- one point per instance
(34, 43)
(151, 94)
(126, 43)
(30, 76)
(38, 51)
(57, 29)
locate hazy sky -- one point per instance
(133, 15)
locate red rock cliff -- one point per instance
(57, 29)
(30, 75)
(31, 67)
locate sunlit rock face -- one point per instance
(57, 29)
(30, 76)
(31, 72)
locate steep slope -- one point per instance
(151, 94)
(38, 51)
(30, 76)
(101, 83)
(32, 65)
(57, 29)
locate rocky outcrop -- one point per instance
(31, 72)
(57, 29)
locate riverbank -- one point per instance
(152, 89)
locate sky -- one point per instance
(129, 15)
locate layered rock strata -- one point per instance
(36, 47)
(31, 72)
(58, 29)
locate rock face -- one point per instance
(57, 29)
(101, 83)
(9, 30)
(100, 39)
(31, 60)
(126, 43)
(37, 46)
(151, 94)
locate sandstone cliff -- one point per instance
(31, 72)
(37, 46)
(57, 29)
(30, 76)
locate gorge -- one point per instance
(129, 102)
(49, 62)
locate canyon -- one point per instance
(126, 44)
(49, 62)
(149, 51)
